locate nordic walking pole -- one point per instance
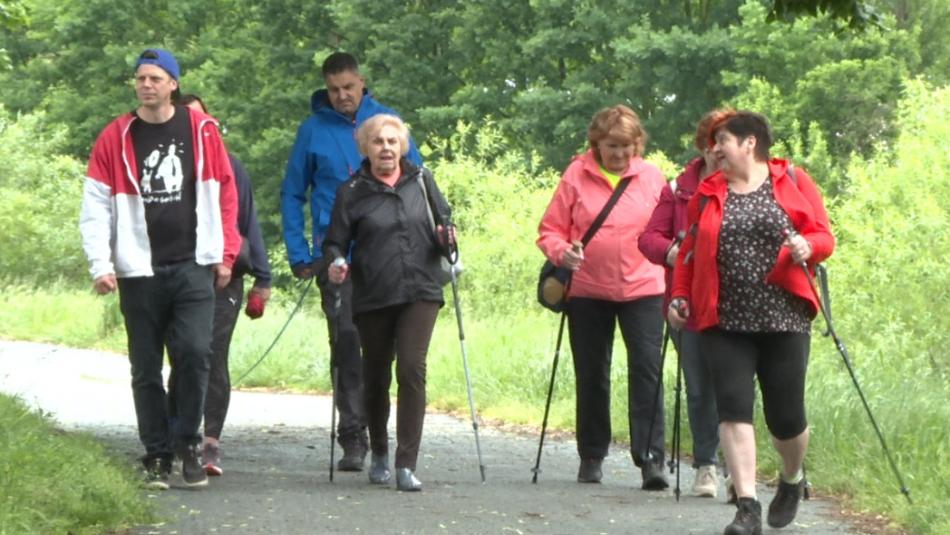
(334, 372)
(547, 404)
(677, 421)
(453, 259)
(648, 455)
(854, 378)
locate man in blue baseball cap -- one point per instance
(165, 60)
(159, 224)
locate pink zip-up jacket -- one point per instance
(112, 217)
(613, 267)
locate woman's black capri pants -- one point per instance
(778, 358)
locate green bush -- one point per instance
(890, 281)
(41, 192)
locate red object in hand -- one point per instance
(255, 306)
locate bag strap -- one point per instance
(451, 251)
(425, 193)
(605, 211)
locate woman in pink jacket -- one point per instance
(612, 282)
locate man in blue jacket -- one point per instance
(325, 155)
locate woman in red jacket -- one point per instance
(660, 243)
(738, 276)
(612, 283)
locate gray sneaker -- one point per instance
(379, 469)
(157, 472)
(191, 470)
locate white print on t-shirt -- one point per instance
(162, 175)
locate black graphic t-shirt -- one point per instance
(164, 154)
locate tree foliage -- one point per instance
(856, 13)
(536, 70)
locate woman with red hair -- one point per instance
(660, 243)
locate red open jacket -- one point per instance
(698, 280)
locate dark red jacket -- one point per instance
(669, 218)
(698, 280)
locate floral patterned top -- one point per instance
(749, 242)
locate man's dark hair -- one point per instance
(747, 123)
(338, 62)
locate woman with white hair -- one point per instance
(388, 219)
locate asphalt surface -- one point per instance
(276, 480)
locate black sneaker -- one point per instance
(590, 471)
(784, 505)
(355, 447)
(157, 472)
(191, 470)
(653, 477)
(748, 520)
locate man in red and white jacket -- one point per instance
(158, 223)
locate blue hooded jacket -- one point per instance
(324, 156)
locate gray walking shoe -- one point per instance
(407, 481)
(590, 471)
(379, 469)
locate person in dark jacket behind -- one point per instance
(660, 243)
(228, 300)
(739, 277)
(389, 216)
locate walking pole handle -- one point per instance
(337, 298)
(450, 246)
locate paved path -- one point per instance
(276, 454)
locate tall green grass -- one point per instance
(55, 482)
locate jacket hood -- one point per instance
(689, 179)
(320, 101)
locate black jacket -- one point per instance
(253, 256)
(396, 258)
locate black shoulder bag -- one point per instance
(553, 280)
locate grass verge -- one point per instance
(56, 482)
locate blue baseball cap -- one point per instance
(160, 57)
